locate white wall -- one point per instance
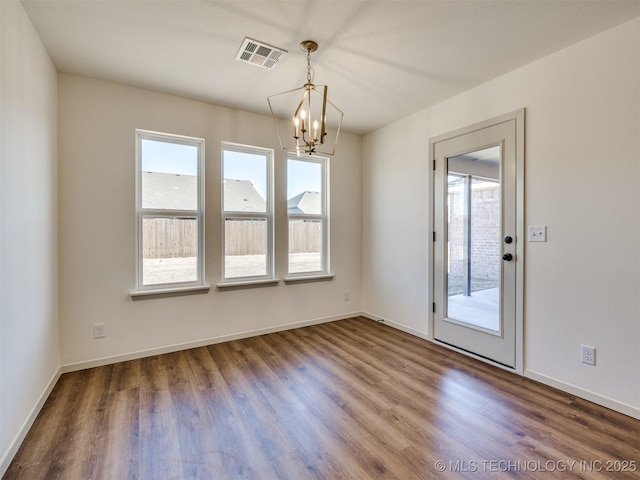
(29, 361)
(97, 228)
(582, 180)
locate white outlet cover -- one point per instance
(588, 354)
(537, 234)
(99, 330)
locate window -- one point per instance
(170, 211)
(307, 207)
(247, 213)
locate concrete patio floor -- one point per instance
(481, 309)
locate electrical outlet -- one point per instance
(347, 295)
(99, 330)
(588, 354)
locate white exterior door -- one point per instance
(478, 238)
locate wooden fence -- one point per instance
(305, 237)
(169, 237)
(245, 237)
(178, 237)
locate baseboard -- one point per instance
(98, 362)
(607, 402)
(7, 457)
(397, 326)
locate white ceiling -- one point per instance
(382, 60)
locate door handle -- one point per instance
(507, 257)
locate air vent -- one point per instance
(259, 54)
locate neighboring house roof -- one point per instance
(242, 196)
(169, 191)
(305, 202)
(179, 192)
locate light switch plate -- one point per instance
(537, 234)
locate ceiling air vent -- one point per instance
(259, 54)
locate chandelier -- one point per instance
(314, 123)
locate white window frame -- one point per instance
(142, 213)
(323, 217)
(267, 215)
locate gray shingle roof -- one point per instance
(305, 202)
(169, 191)
(241, 196)
(179, 192)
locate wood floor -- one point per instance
(351, 399)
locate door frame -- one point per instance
(519, 117)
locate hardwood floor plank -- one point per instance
(352, 399)
(377, 452)
(322, 449)
(159, 441)
(231, 435)
(82, 428)
(121, 436)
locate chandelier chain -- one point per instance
(308, 65)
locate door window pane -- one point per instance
(474, 241)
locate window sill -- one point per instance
(247, 283)
(310, 278)
(169, 292)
